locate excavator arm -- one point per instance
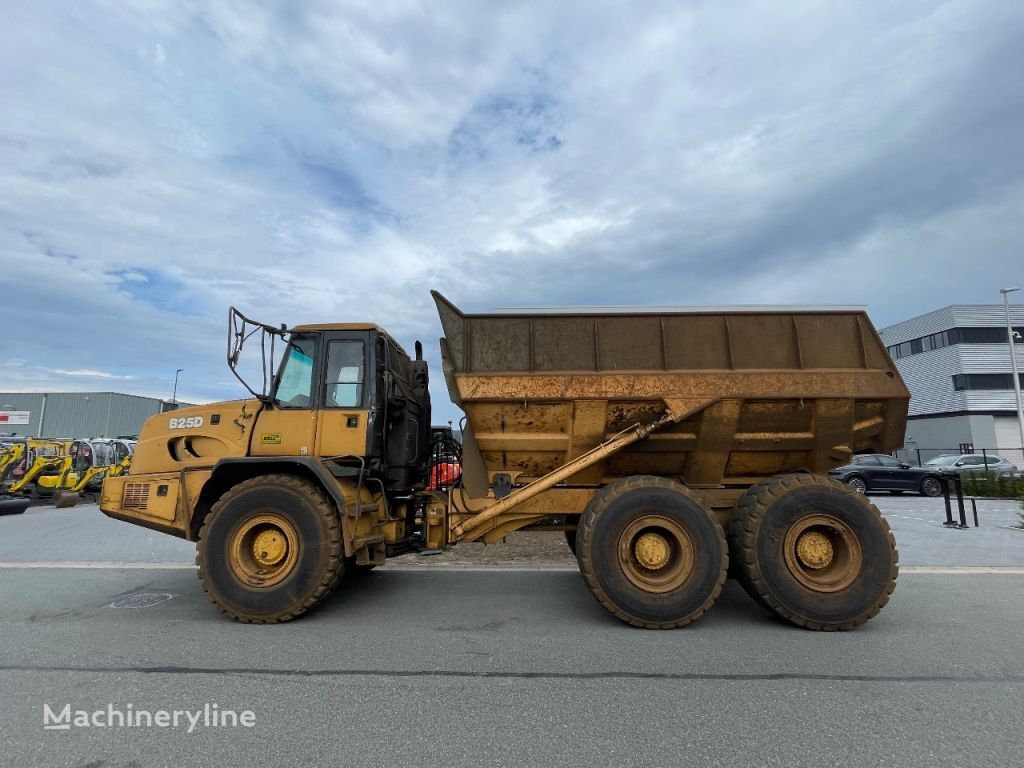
(40, 465)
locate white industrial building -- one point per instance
(956, 363)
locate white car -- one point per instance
(972, 462)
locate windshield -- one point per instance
(295, 382)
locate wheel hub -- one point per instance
(814, 550)
(656, 553)
(823, 553)
(652, 551)
(263, 550)
(269, 547)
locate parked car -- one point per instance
(881, 472)
(971, 462)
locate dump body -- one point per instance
(755, 392)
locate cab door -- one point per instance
(344, 403)
(287, 427)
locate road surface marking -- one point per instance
(99, 566)
(967, 570)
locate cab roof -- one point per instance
(347, 327)
(336, 327)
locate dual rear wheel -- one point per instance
(803, 546)
(813, 551)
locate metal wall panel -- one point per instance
(986, 315)
(929, 377)
(990, 358)
(21, 401)
(81, 414)
(916, 327)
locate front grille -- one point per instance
(136, 496)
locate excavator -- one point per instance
(85, 465)
(36, 459)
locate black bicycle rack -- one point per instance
(957, 482)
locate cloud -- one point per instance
(162, 161)
(90, 374)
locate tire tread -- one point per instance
(743, 525)
(589, 518)
(332, 573)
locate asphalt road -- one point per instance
(422, 666)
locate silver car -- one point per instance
(972, 462)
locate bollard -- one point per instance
(944, 482)
(959, 483)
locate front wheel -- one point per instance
(651, 553)
(931, 486)
(270, 549)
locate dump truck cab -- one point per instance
(349, 391)
(344, 416)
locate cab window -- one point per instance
(888, 461)
(295, 382)
(343, 387)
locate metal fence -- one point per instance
(919, 456)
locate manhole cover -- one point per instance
(142, 600)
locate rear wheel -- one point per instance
(931, 486)
(570, 539)
(814, 552)
(651, 552)
(270, 549)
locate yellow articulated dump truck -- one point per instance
(669, 447)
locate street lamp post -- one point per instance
(1013, 363)
(174, 397)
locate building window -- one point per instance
(949, 338)
(963, 382)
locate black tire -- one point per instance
(570, 539)
(693, 573)
(931, 486)
(736, 569)
(317, 562)
(857, 484)
(855, 583)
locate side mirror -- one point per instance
(959, 464)
(904, 466)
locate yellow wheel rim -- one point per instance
(263, 550)
(656, 553)
(823, 553)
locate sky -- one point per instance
(334, 161)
